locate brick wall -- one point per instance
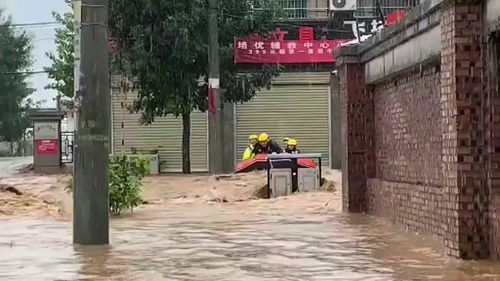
(407, 146)
(494, 216)
(462, 88)
(354, 157)
(492, 151)
(432, 149)
(407, 134)
(417, 207)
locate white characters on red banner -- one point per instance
(276, 45)
(287, 51)
(242, 45)
(259, 45)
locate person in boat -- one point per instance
(266, 146)
(252, 141)
(285, 142)
(292, 147)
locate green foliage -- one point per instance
(62, 69)
(140, 166)
(125, 182)
(163, 45)
(15, 57)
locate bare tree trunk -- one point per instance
(186, 143)
(12, 149)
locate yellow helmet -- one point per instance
(286, 139)
(292, 142)
(253, 137)
(263, 137)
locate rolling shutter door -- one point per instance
(165, 134)
(297, 106)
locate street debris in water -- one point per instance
(44, 195)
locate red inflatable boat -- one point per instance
(260, 163)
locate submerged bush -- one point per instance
(125, 182)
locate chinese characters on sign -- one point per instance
(360, 29)
(46, 130)
(255, 50)
(371, 26)
(46, 147)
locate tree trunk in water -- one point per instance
(12, 149)
(186, 143)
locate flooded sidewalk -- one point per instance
(301, 237)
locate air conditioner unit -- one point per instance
(343, 5)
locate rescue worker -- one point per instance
(285, 142)
(292, 147)
(252, 141)
(266, 146)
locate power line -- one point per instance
(43, 39)
(24, 72)
(35, 24)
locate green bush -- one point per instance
(140, 166)
(125, 182)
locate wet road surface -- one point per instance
(298, 238)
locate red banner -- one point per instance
(46, 147)
(394, 17)
(284, 51)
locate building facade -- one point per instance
(298, 105)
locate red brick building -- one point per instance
(421, 124)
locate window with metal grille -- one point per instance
(368, 8)
(301, 9)
(294, 9)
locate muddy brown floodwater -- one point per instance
(183, 237)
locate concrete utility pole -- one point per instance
(91, 192)
(77, 13)
(215, 141)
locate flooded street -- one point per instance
(9, 165)
(209, 228)
(302, 237)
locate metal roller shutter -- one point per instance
(297, 106)
(165, 134)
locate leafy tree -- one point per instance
(62, 69)
(163, 45)
(15, 58)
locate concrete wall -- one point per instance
(412, 42)
(336, 143)
(418, 50)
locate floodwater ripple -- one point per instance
(241, 241)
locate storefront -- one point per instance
(296, 106)
(163, 136)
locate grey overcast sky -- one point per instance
(31, 11)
